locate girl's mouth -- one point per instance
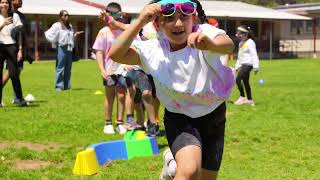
(177, 33)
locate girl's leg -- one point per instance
(156, 107)
(121, 97)
(239, 81)
(1, 85)
(185, 144)
(196, 143)
(5, 78)
(246, 83)
(156, 102)
(130, 100)
(148, 104)
(242, 99)
(108, 106)
(60, 64)
(13, 69)
(139, 113)
(109, 100)
(188, 161)
(207, 174)
(67, 70)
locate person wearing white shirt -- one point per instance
(9, 24)
(62, 35)
(189, 78)
(247, 61)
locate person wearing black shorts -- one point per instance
(207, 132)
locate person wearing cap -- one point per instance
(247, 61)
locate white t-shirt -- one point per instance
(247, 54)
(188, 81)
(59, 35)
(6, 33)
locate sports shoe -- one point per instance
(153, 129)
(20, 102)
(250, 102)
(121, 129)
(241, 100)
(108, 129)
(147, 124)
(169, 166)
(132, 125)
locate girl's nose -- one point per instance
(179, 22)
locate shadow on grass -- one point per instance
(38, 101)
(162, 133)
(163, 146)
(79, 89)
(31, 105)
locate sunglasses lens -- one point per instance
(188, 8)
(168, 9)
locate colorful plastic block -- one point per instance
(112, 150)
(86, 163)
(139, 148)
(141, 135)
(134, 135)
(154, 145)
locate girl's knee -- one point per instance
(189, 171)
(147, 95)
(121, 97)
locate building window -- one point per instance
(297, 27)
(309, 26)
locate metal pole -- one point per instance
(36, 37)
(270, 43)
(86, 39)
(314, 27)
(225, 24)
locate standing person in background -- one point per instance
(112, 72)
(62, 36)
(140, 89)
(10, 23)
(20, 38)
(247, 60)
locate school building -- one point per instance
(266, 23)
(301, 38)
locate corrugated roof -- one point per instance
(54, 6)
(300, 8)
(231, 9)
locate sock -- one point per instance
(130, 118)
(108, 122)
(119, 122)
(172, 168)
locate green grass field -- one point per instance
(279, 138)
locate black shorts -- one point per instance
(207, 132)
(117, 80)
(154, 93)
(142, 82)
